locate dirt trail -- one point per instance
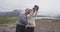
(41, 26)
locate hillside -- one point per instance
(13, 13)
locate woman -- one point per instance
(31, 21)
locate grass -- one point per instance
(5, 19)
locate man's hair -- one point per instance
(26, 9)
(36, 6)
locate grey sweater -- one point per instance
(22, 19)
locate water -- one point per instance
(46, 18)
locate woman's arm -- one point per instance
(35, 13)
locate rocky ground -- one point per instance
(45, 25)
(42, 25)
(7, 27)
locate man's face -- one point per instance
(28, 11)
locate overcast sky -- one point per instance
(47, 7)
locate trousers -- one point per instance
(20, 28)
(30, 29)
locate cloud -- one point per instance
(47, 7)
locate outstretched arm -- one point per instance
(35, 13)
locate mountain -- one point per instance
(13, 13)
(2, 13)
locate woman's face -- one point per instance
(29, 11)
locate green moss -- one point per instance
(8, 20)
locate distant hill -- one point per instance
(13, 13)
(2, 13)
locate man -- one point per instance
(31, 21)
(22, 22)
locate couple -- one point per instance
(26, 22)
